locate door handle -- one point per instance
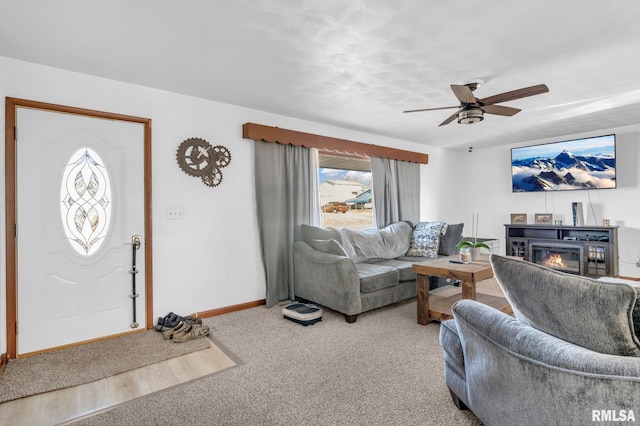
(136, 242)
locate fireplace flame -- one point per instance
(555, 261)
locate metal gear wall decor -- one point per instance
(213, 179)
(196, 157)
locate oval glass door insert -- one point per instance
(85, 201)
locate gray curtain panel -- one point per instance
(396, 191)
(286, 181)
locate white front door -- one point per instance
(79, 201)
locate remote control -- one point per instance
(456, 261)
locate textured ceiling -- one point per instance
(354, 63)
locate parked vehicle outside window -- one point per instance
(335, 207)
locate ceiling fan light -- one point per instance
(470, 116)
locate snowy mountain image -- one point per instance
(563, 171)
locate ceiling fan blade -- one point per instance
(463, 93)
(430, 109)
(451, 118)
(500, 110)
(515, 94)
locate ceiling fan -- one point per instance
(471, 109)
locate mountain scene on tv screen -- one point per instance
(564, 171)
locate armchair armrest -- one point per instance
(516, 373)
(326, 279)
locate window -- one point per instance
(85, 201)
(345, 191)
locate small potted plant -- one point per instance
(474, 244)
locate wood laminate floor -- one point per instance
(69, 404)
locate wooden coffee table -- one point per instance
(439, 307)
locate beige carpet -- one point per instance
(385, 369)
(87, 363)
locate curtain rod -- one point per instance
(259, 132)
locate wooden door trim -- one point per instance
(11, 105)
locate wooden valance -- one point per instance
(259, 132)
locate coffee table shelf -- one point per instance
(440, 306)
(436, 307)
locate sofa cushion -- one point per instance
(329, 247)
(425, 239)
(452, 236)
(376, 277)
(405, 269)
(346, 244)
(594, 314)
(386, 243)
(368, 244)
(310, 233)
(636, 310)
(396, 238)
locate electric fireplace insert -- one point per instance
(563, 257)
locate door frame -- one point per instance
(11, 106)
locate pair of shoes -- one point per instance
(193, 331)
(181, 326)
(171, 320)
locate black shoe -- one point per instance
(167, 322)
(159, 324)
(171, 321)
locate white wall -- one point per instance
(440, 187)
(210, 259)
(485, 188)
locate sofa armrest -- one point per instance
(326, 279)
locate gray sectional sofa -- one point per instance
(356, 271)
(570, 356)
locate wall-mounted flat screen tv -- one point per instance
(588, 163)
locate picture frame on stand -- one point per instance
(518, 218)
(543, 218)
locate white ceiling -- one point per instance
(357, 63)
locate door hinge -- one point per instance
(16, 327)
(15, 133)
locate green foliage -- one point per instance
(472, 244)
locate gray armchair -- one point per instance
(571, 355)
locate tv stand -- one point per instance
(584, 250)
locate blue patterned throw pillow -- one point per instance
(425, 239)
